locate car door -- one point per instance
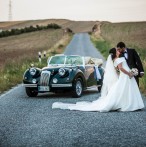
(90, 75)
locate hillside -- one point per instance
(28, 44)
(76, 26)
(132, 33)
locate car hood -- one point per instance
(56, 67)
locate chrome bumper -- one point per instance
(53, 85)
(62, 85)
(30, 85)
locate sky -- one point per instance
(84, 10)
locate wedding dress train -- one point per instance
(118, 93)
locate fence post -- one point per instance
(44, 54)
(40, 56)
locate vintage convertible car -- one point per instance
(64, 73)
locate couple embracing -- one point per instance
(120, 90)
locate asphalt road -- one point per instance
(30, 122)
(81, 45)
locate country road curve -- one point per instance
(30, 122)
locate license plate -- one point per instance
(44, 88)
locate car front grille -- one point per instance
(45, 78)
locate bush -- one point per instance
(60, 46)
(53, 26)
(28, 29)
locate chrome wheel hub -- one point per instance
(78, 88)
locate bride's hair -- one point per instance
(113, 54)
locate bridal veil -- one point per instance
(110, 76)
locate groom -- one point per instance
(132, 58)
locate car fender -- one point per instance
(27, 78)
(79, 74)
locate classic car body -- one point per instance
(64, 72)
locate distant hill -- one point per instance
(75, 26)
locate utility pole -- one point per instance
(10, 10)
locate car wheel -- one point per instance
(99, 89)
(77, 88)
(99, 85)
(31, 92)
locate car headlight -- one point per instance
(34, 81)
(32, 71)
(55, 80)
(61, 71)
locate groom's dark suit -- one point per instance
(133, 61)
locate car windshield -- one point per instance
(77, 60)
(69, 60)
(57, 60)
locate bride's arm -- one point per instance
(124, 71)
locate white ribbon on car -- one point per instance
(98, 75)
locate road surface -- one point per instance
(30, 122)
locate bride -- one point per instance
(119, 92)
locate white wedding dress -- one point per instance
(118, 93)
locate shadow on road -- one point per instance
(63, 94)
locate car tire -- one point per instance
(77, 88)
(31, 92)
(99, 85)
(99, 89)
